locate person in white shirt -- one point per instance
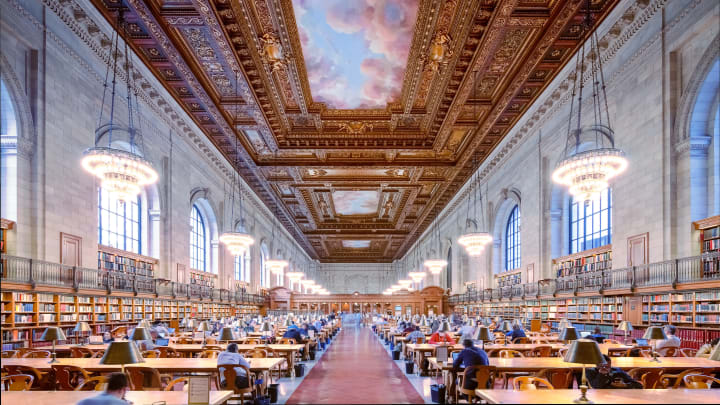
(231, 357)
(671, 341)
(467, 331)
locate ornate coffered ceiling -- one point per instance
(355, 185)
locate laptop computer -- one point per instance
(641, 342)
(171, 330)
(585, 334)
(455, 355)
(162, 342)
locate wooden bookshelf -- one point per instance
(698, 309)
(509, 278)
(25, 315)
(126, 262)
(5, 225)
(586, 261)
(709, 242)
(202, 278)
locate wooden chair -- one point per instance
(41, 381)
(668, 351)
(185, 341)
(256, 353)
(17, 382)
(167, 352)
(6, 354)
(252, 341)
(287, 341)
(521, 340)
(541, 351)
(688, 352)
(147, 378)
(119, 332)
(22, 350)
(93, 384)
(80, 352)
(675, 380)
(531, 383)
(558, 377)
(484, 376)
(151, 354)
(98, 354)
(648, 377)
(67, 377)
(171, 385)
(611, 342)
(700, 381)
(209, 354)
(506, 376)
(228, 374)
(37, 354)
(210, 341)
(561, 353)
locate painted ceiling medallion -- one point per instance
(440, 52)
(355, 127)
(272, 52)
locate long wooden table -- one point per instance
(626, 363)
(608, 396)
(167, 365)
(136, 397)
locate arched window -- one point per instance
(590, 225)
(8, 155)
(512, 240)
(264, 272)
(119, 223)
(198, 245)
(242, 267)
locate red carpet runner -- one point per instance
(355, 370)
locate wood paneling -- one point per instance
(70, 249)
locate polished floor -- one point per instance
(356, 369)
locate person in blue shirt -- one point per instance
(516, 332)
(114, 394)
(470, 356)
(597, 335)
(294, 333)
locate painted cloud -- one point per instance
(355, 51)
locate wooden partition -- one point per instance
(416, 302)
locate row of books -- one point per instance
(24, 307)
(23, 297)
(509, 280)
(707, 308)
(601, 261)
(107, 261)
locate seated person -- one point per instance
(597, 335)
(604, 375)
(671, 341)
(441, 337)
(231, 357)
(415, 334)
(706, 349)
(114, 394)
(408, 328)
(107, 337)
(294, 333)
(159, 328)
(516, 332)
(470, 356)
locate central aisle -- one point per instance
(355, 370)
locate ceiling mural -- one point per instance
(358, 120)
(355, 51)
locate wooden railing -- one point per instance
(42, 273)
(667, 273)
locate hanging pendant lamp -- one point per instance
(237, 242)
(122, 173)
(436, 266)
(591, 159)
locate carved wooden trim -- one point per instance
(6, 224)
(706, 223)
(129, 255)
(584, 253)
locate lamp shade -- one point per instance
(506, 326)
(584, 351)
(444, 327)
(288, 323)
(564, 323)
(483, 333)
(141, 334)
(569, 333)
(625, 326)
(53, 333)
(266, 327)
(122, 352)
(82, 327)
(204, 326)
(654, 333)
(144, 324)
(226, 334)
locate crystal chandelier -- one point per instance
(590, 159)
(122, 172)
(276, 266)
(237, 242)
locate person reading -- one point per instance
(516, 332)
(231, 357)
(441, 337)
(470, 356)
(415, 334)
(114, 394)
(597, 335)
(604, 375)
(671, 341)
